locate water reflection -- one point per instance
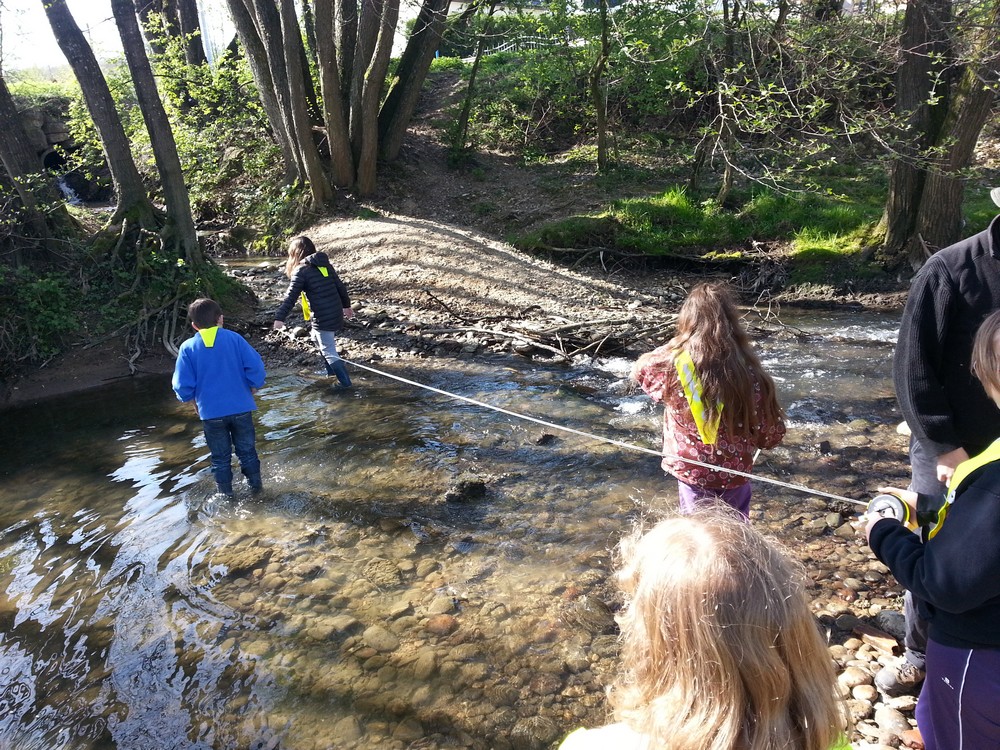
(375, 596)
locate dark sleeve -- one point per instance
(959, 568)
(919, 361)
(295, 286)
(345, 300)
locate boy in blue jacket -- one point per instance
(220, 371)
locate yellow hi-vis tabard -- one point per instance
(708, 430)
(208, 335)
(306, 312)
(962, 473)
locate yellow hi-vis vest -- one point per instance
(962, 473)
(306, 312)
(708, 430)
(208, 335)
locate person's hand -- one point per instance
(872, 520)
(278, 325)
(865, 522)
(946, 464)
(348, 312)
(907, 496)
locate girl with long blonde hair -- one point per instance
(719, 649)
(720, 406)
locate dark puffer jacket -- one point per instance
(327, 294)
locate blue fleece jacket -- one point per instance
(218, 377)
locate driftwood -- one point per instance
(628, 333)
(566, 339)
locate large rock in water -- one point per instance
(242, 560)
(466, 489)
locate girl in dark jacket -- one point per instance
(324, 301)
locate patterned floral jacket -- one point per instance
(659, 379)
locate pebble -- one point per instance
(380, 639)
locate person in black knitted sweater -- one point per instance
(948, 412)
(325, 301)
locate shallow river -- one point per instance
(419, 572)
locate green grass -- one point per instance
(825, 231)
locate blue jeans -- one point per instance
(327, 343)
(223, 434)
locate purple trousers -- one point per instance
(959, 705)
(692, 497)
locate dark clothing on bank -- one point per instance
(326, 293)
(943, 403)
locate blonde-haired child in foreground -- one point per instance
(719, 650)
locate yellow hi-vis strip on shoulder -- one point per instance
(962, 473)
(708, 430)
(208, 335)
(306, 312)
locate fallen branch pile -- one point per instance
(563, 338)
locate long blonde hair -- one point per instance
(709, 329)
(299, 248)
(720, 651)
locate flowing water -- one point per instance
(419, 572)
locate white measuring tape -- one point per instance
(611, 441)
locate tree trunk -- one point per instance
(22, 165)
(374, 83)
(190, 27)
(267, 20)
(370, 15)
(179, 222)
(924, 43)
(462, 128)
(319, 186)
(939, 217)
(401, 101)
(130, 191)
(309, 22)
(261, 71)
(334, 116)
(150, 12)
(598, 91)
(346, 36)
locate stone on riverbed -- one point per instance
(466, 488)
(242, 560)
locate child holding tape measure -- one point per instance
(324, 301)
(953, 570)
(720, 406)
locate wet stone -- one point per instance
(425, 664)
(241, 560)
(466, 489)
(441, 624)
(441, 605)
(380, 639)
(382, 573)
(534, 732)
